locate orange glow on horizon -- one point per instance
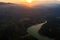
(30, 2)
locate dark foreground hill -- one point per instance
(14, 21)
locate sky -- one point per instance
(11, 1)
(19, 1)
(34, 1)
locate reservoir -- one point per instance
(33, 30)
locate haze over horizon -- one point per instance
(34, 1)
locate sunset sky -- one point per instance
(34, 1)
(18, 1)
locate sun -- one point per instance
(28, 1)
